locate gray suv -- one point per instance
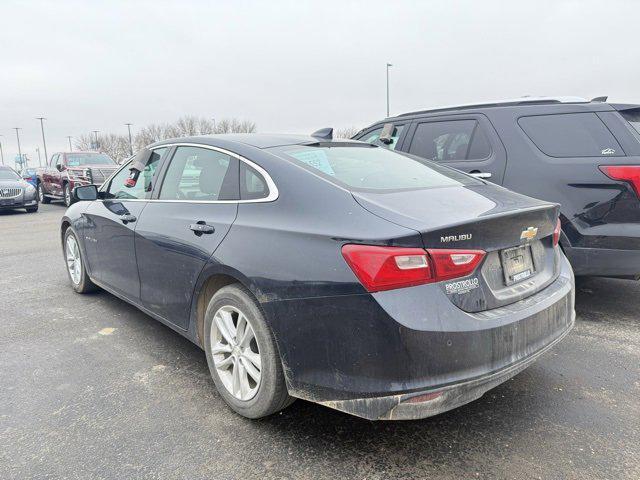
(584, 155)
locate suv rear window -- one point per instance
(633, 117)
(570, 135)
(373, 168)
(450, 141)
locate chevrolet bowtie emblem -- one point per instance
(529, 234)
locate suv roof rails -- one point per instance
(504, 103)
(600, 99)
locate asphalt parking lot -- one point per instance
(93, 388)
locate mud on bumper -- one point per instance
(417, 405)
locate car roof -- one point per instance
(522, 101)
(257, 140)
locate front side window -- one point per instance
(200, 174)
(450, 141)
(144, 185)
(53, 161)
(374, 135)
(570, 135)
(372, 168)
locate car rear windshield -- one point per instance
(6, 174)
(372, 168)
(75, 159)
(633, 117)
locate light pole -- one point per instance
(1, 152)
(96, 132)
(17, 129)
(39, 160)
(69, 137)
(388, 65)
(130, 142)
(43, 140)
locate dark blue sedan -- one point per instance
(367, 280)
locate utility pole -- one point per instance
(69, 137)
(388, 65)
(1, 152)
(17, 129)
(96, 132)
(130, 142)
(43, 140)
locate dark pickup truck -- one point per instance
(67, 170)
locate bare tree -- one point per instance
(114, 145)
(233, 125)
(346, 132)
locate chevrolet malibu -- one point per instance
(339, 272)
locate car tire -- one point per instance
(78, 276)
(259, 398)
(32, 209)
(42, 198)
(66, 193)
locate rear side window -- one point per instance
(374, 135)
(372, 168)
(252, 185)
(450, 141)
(200, 174)
(570, 135)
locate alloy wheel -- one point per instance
(74, 262)
(67, 196)
(235, 352)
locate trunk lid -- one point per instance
(508, 226)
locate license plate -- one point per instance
(517, 264)
(5, 201)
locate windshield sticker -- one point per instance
(463, 286)
(316, 159)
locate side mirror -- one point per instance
(387, 132)
(59, 167)
(85, 193)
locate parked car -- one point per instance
(584, 155)
(334, 271)
(30, 175)
(69, 169)
(15, 192)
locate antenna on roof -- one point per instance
(323, 133)
(599, 99)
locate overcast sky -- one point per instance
(296, 66)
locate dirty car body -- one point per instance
(387, 299)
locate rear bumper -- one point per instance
(604, 262)
(369, 354)
(432, 402)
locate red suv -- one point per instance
(67, 170)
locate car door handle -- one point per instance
(127, 217)
(201, 227)
(480, 174)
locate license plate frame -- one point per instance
(517, 264)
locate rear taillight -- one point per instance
(624, 173)
(450, 264)
(556, 233)
(387, 268)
